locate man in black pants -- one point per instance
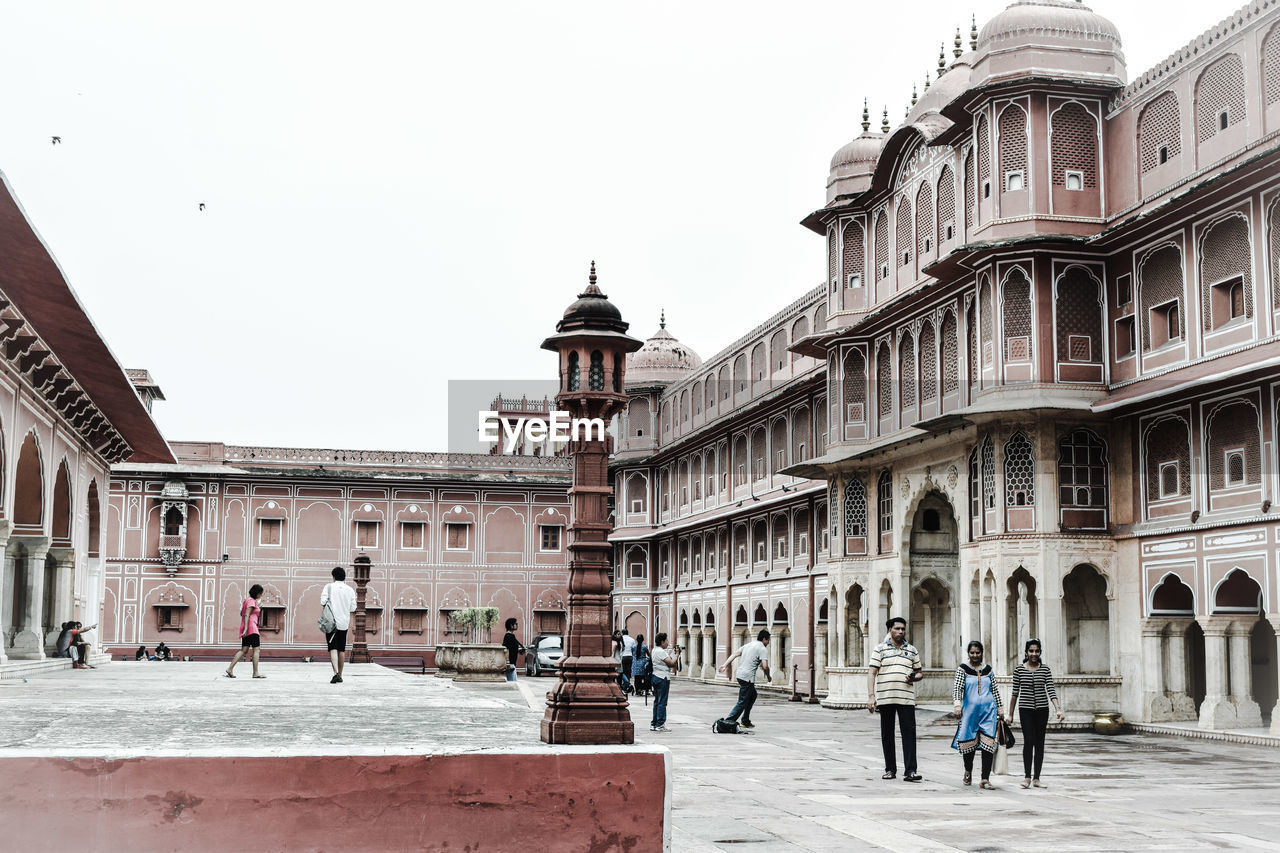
(894, 669)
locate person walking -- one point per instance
(894, 669)
(754, 655)
(250, 641)
(628, 657)
(1033, 681)
(342, 603)
(639, 667)
(665, 663)
(514, 649)
(977, 704)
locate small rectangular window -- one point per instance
(410, 621)
(412, 534)
(637, 505)
(1074, 180)
(1014, 181)
(270, 531)
(1164, 153)
(1125, 337)
(742, 554)
(1170, 480)
(1165, 324)
(169, 618)
(271, 619)
(1124, 289)
(884, 270)
(855, 281)
(782, 549)
(761, 553)
(457, 536)
(986, 189)
(366, 534)
(928, 244)
(1234, 460)
(550, 537)
(951, 232)
(906, 257)
(636, 570)
(1222, 120)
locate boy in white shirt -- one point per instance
(342, 603)
(754, 655)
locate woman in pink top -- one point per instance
(249, 639)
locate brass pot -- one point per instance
(1108, 722)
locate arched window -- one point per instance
(1019, 472)
(759, 468)
(984, 157)
(1078, 307)
(903, 245)
(988, 451)
(988, 324)
(975, 493)
(928, 363)
(924, 220)
(1082, 481)
(1016, 315)
(1271, 67)
(778, 445)
(855, 508)
(1161, 293)
(1220, 101)
(884, 498)
(800, 433)
(1013, 149)
(1159, 132)
(970, 191)
(950, 356)
(778, 350)
(946, 207)
(574, 372)
(882, 246)
(1273, 248)
(884, 380)
(595, 379)
(855, 386)
(798, 330)
(1226, 283)
(833, 260)
(971, 331)
(853, 256)
(907, 373)
(1234, 452)
(1167, 451)
(1074, 144)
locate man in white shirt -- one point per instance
(342, 603)
(628, 657)
(755, 655)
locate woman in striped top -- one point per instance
(1033, 681)
(977, 704)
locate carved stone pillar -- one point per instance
(6, 606)
(30, 640)
(63, 593)
(360, 647)
(1217, 710)
(1275, 665)
(695, 653)
(1155, 703)
(1248, 714)
(682, 640)
(708, 653)
(820, 656)
(775, 658)
(1176, 669)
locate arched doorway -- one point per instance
(1195, 664)
(1262, 657)
(1087, 614)
(855, 653)
(934, 561)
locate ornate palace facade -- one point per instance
(1035, 396)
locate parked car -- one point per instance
(544, 654)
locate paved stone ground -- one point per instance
(806, 780)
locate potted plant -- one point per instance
(479, 660)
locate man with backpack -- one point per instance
(755, 655)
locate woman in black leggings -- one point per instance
(1033, 681)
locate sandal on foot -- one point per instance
(1036, 783)
(986, 783)
(890, 774)
(968, 778)
(259, 676)
(228, 675)
(1026, 783)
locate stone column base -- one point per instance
(1248, 714)
(1157, 707)
(1218, 712)
(28, 645)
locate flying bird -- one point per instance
(57, 140)
(202, 205)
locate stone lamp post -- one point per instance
(360, 648)
(587, 706)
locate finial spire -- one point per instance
(592, 289)
(591, 279)
(973, 32)
(957, 51)
(662, 319)
(942, 58)
(914, 96)
(884, 121)
(866, 117)
(926, 80)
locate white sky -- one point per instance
(402, 194)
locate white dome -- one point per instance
(661, 360)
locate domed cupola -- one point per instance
(662, 360)
(1062, 39)
(852, 165)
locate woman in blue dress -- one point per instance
(977, 704)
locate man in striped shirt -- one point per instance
(894, 669)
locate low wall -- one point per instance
(546, 801)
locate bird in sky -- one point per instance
(202, 205)
(57, 140)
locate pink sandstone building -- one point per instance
(1035, 394)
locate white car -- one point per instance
(544, 654)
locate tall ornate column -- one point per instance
(1155, 704)
(587, 706)
(686, 657)
(776, 676)
(361, 567)
(1274, 619)
(29, 642)
(695, 653)
(820, 656)
(6, 607)
(63, 592)
(1216, 711)
(708, 653)
(1248, 714)
(1176, 669)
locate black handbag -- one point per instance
(1004, 735)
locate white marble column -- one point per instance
(819, 657)
(63, 593)
(682, 640)
(775, 655)
(29, 641)
(1248, 715)
(1216, 711)
(708, 653)
(695, 653)
(6, 607)
(1176, 669)
(1275, 665)
(1155, 703)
